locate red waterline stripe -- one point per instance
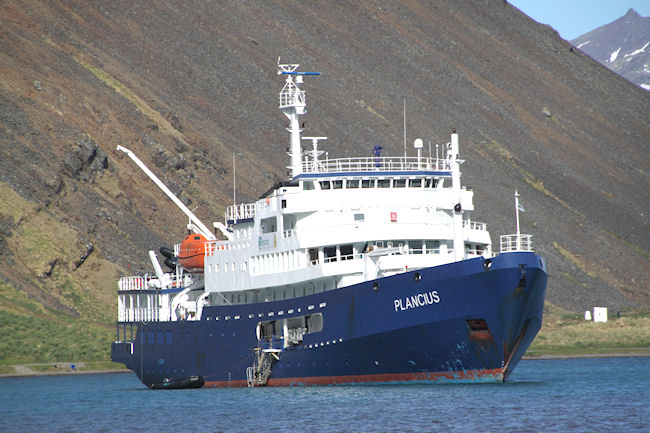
(495, 374)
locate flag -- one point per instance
(521, 208)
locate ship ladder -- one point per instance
(259, 373)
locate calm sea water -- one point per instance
(577, 395)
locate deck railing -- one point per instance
(240, 211)
(514, 242)
(146, 282)
(473, 225)
(373, 164)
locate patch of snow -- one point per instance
(583, 44)
(614, 55)
(645, 69)
(645, 86)
(639, 51)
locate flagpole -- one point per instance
(517, 214)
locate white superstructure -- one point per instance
(342, 221)
(334, 223)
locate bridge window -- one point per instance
(399, 183)
(337, 184)
(347, 252)
(352, 183)
(329, 254)
(308, 185)
(383, 183)
(430, 182)
(415, 183)
(415, 247)
(433, 247)
(368, 183)
(268, 225)
(325, 184)
(313, 256)
(359, 217)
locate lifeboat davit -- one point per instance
(192, 252)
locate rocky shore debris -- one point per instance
(84, 255)
(87, 154)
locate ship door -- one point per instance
(268, 330)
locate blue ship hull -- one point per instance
(464, 321)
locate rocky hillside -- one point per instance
(190, 85)
(623, 46)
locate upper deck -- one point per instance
(392, 165)
(398, 167)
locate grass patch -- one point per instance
(138, 102)
(575, 260)
(569, 334)
(30, 339)
(7, 369)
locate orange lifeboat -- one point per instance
(192, 252)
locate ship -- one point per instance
(352, 271)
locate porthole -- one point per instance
(417, 277)
(375, 286)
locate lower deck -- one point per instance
(463, 320)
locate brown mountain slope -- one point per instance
(186, 84)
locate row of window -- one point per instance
(429, 182)
(295, 259)
(160, 337)
(226, 267)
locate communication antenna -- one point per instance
(234, 189)
(404, 115)
(292, 104)
(315, 153)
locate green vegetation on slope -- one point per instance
(31, 333)
(569, 334)
(28, 339)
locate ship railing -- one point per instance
(146, 282)
(373, 164)
(289, 233)
(213, 246)
(139, 282)
(337, 258)
(291, 95)
(473, 225)
(240, 211)
(516, 242)
(139, 314)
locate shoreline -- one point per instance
(24, 370)
(589, 355)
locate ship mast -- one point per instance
(292, 104)
(452, 157)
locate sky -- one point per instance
(573, 18)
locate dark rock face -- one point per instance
(189, 86)
(622, 46)
(86, 157)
